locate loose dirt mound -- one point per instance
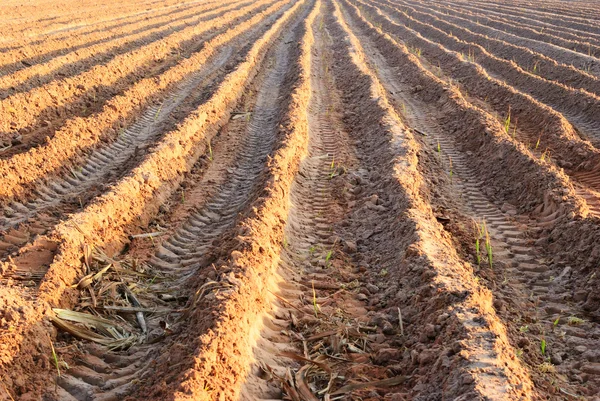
(299, 200)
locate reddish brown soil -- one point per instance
(299, 200)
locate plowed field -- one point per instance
(299, 200)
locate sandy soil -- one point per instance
(299, 200)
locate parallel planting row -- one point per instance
(300, 200)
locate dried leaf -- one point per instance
(394, 381)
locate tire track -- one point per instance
(184, 253)
(583, 24)
(30, 53)
(533, 120)
(525, 32)
(107, 164)
(588, 64)
(75, 63)
(523, 22)
(61, 151)
(131, 202)
(524, 57)
(71, 97)
(522, 263)
(101, 167)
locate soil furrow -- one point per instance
(63, 152)
(585, 48)
(192, 246)
(522, 277)
(75, 63)
(529, 61)
(299, 200)
(583, 24)
(525, 22)
(25, 112)
(588, 12)
(585, 63)
(134, 200)
(67, 15)
(539, 127)
(29, 55)
(105, 165)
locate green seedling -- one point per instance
(328, 257)
(416, 51)
(545, 155)
(488, 247)
(158, 112)
(543, 347)
(524, 329)
(507, 122)
(537, 144)
(536, 68)
(471, 56)
(556, 321)
(483, 235)
(439, 148)
(332, 168)
(312, 250)
(55, 359)
(315, 305)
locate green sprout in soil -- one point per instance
(55, 359)
(543, 346)
(158, 112)
(328, 257)
(524, 329)
(471, 56)
(507, 122)
(416, 51)
(332, 169)
(315, 305)
(556, 321)
(537, 144)
(439, 148)
(483, 235)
